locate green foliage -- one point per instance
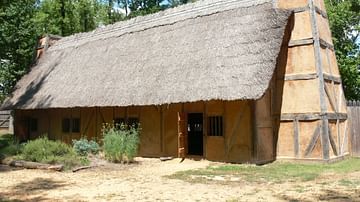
(17, 42)
(120, 143)
(9, 146)
(83, 147)
(344, 20)
(44, 150)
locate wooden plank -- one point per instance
(162, 130)
(338, 135)
(329, 77)
(231, 141)
(254, 131)
(325, 44)
(344, 139)
(325, 138)
(321, 12)
(313, 140)
(319, 66)
(295, 77)
(332, 142)
(301, 42)
(301, 9)
(85, 131)
(312, 116)
(296, 137)
(335, 116)
(330, 99)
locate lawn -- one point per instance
(277, 172)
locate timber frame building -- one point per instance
(229, 80)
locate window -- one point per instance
(215, 126)
(133, 122)
(71, 125)
(75, 128)
(118, 122)
(33, 125)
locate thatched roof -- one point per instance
(208, 50)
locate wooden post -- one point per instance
(307, 98)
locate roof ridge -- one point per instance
(168, 16)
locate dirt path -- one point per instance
(145, 181)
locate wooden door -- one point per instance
(182, 135)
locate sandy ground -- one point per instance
(145, 181)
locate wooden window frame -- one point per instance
(70, 126)
(215, 126)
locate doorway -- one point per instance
(195, 134)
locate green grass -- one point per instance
(349, 183)
(275, 172)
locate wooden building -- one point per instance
(235, 81)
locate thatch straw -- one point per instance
(209, 50)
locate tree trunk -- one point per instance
(31, 165)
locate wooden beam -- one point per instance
(301, 42)
(254, 131)
(332, 143)
(319, 68)
(301, 9)
(325, 138)
(325, 44)
(312, 116)
(335, 79)
(330, 99)
(321, 12)
(338, 135)
(344, 138)
(162, 129)
(335, 116)
(296, 138)
(295, 77)
(313, 140)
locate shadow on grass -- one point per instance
(33, 190)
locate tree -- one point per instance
(17, 41)
(86, 11)
(344, 18)
(57, 17)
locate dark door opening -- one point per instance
(195, 134)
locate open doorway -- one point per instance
(195, 134)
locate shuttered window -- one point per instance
(118, 122)
(215, 126)
(133, 122)
(75, 127)
(71, 125)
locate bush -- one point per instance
(83, 147)
(9, 146)
(43, 150)
(120, 143)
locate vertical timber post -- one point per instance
(311, 71)
(320, 74)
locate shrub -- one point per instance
(83, 147)
(44, 150)
(120, 143)
(9, 146)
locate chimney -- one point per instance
(44, 43)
